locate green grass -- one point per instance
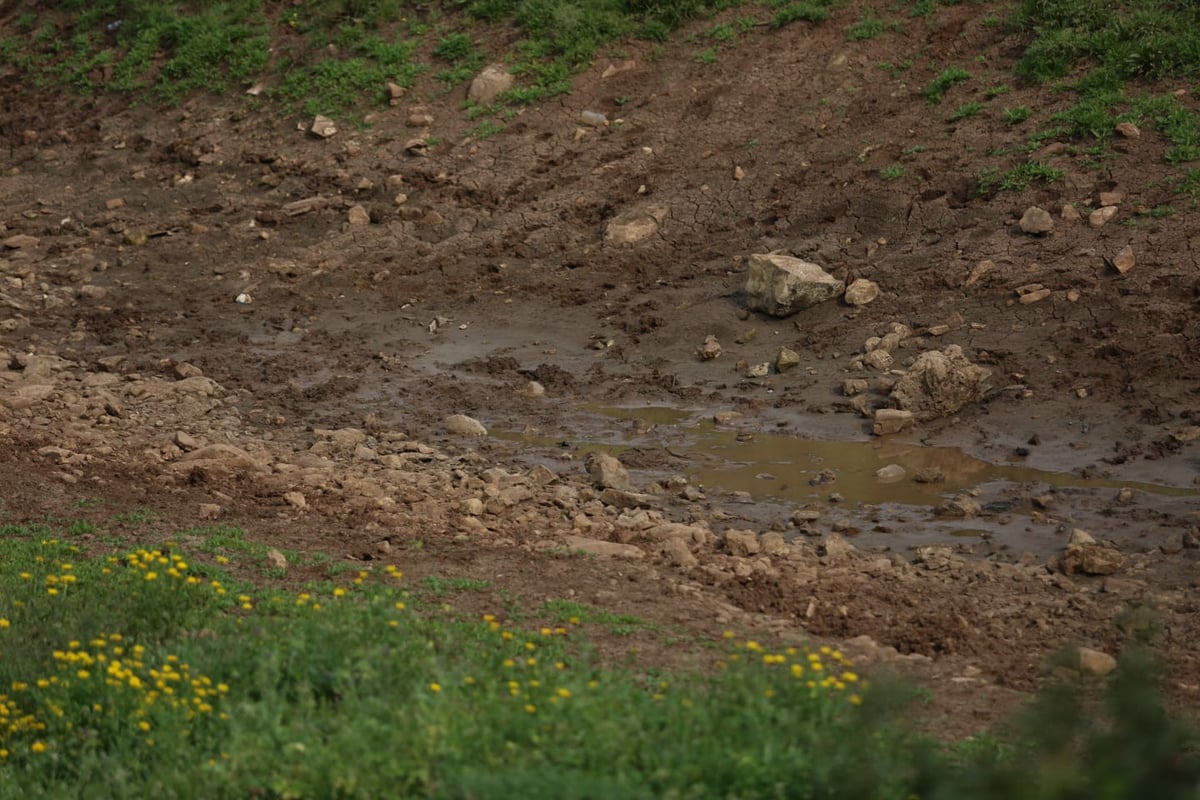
(892, 172)
(966, 111)
(143, 673)
(1018, 177)
(936, 89)
(1017, 114)
(869, 26)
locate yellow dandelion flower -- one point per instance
(393, 623)
(531, 662)
(574, 621)
(559, 665)
(39, 747)
(727, 634)
(435, 687)
(222, 559)
(143, 725)
(20, 686)
(4, 623)
(83, 674)
(530, 646)
(855, 700)
(849, 677)
(506, 635)
(339, 592)
(563, 692)
(52, 591)
(508, 662)
(530, 708)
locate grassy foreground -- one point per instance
(149, 672)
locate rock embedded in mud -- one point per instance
(358, 215)
(21, 241)
(1099, 217)
(710, 349)
(1092, 559)
(1125, 260)
(940, 383)
(598, 547)
(677, 552)
(741, 543)
(929, 475)
(1094, 662)
(786, 359)
(861, 292)
(1128, 130)
(606, 472)
(891, 420)
(462, 425)
(636, 225)
(891, 473)
(962, 506)
(781, 285)
(323, 126)
(489, 84)
(1036, 221)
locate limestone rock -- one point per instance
(462, 425)
(710, 349)
(607, 472)
(781, 285)
(636, 225)
(678, 553)
(1128, 130)
(1095, 662)
(1037, 221)
(600, 548)
(786, 359)
(323, 126)
(358, 215)
(891, 473)
(277, 559)
(489, 84)
(1125, 260)
(1092, 559)
(962, 506)
(940, 383)
(21, 241)
(861, 292)
(1101, 215)
(741, 543)
(891, 420)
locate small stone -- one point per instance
(606, 472)
(1069, 213)
(1034, 296)
(891, 473)
(786, 359)
(891, 420)
(861, 292)
(760, 370)
(1095, 662)
(208, 511)
(741, 543)
(21, 241)
(114, 203)
(977, 272)
(534, 389)
(607, 549)
(358, 216)
(739, 173)
(678, 553)
(781, 285)
(1173, 544)
(296, 500)
(277, 559)
(1124, 261)
(1036, 221)
(879, 359)
(823, 478)
(962, 506)
(1128, 130)
(1092, 559)
(1111, 198)
(489, 84)
(1080, 537)
(853, 386)
(710, 349)
(929, 475)
(726, 417)
(472, 507)
(1100, 216)
(184, 370)
(186, 442)
(395, 91)
(462, 425)
(323, 126)
(400, 199)
(773, 543)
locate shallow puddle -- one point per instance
(784, 468)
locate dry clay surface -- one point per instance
(210, 312)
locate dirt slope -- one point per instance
(145, 372)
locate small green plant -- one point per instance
(707, 56)
(892, 172)
(914, 149)
(943, 81)
(438, 586)
(998, 90)
(869, 27)
(811, 11)
(966, 110)
(1017, 114)
(1018, 177)
(1189, 185)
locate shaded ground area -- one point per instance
(313, 414)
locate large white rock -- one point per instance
(940, 383)
(489, 84)
(781, 285)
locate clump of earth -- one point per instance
(214, 312)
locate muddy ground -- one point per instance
(313, 415)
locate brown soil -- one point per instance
(149, 223)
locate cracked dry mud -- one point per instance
(312, 416)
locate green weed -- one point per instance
(892, 172)
(966, 110)
(943, 81)
(1017, 114)
(869, 27)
